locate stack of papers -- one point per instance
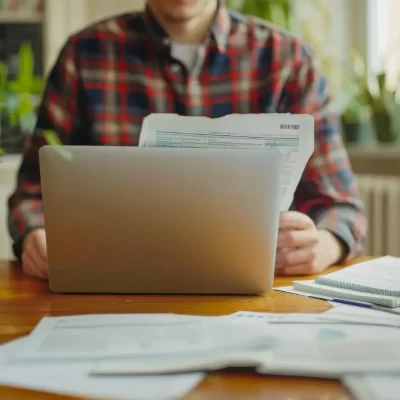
(61, 353)
(373, 386)
(163, 356)
(74, 379)
(293, 134)
(374, 279)
(324, 346)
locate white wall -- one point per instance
(62, 18)
(8, 169)
(333, 28)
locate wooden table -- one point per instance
(24, 301)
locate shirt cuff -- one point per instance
(340, 222)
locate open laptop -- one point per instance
(157, 220)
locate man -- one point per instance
(194, 57)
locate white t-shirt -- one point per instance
(186, 53)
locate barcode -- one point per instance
(288, 126)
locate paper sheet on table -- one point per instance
(308, 336)
(274, 318)
(329, 354)
(292, 290)
(74, 379)
(290, 133)
(363, 313)
(319, 359)
(373, 386)
(330, 317)
(334, 358)
(137, 335)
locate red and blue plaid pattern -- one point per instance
(109, 76)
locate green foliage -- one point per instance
(276, 11)
(16, 96)
(374, 93)
(52, 138)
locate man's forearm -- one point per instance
(331, 249)
(345, 229)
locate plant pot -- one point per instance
(356, 132)
(385, 130)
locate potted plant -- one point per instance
(354, 111)
(356, 122)
(382, 98)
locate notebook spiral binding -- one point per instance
(357, 287)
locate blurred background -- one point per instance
(356, 43)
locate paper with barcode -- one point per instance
(290, 133)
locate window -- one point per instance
(383, 41)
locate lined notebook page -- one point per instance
(379, 276)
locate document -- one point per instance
(323, 360)
(336, 315)
(290, 289)
(113, 336)
(317, 327)
(330, 357)
(74, 379)
(291, 134)
(367, 315)
(333, 359)
(276, 318)
(373, 386)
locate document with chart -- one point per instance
(96, 337)
(292, 134)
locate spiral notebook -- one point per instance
(375, 281)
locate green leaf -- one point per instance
(13, 118)
(52, 138)
(275, 11)
(381, 79)
(26, 65)
(251, 8)
(3, 76)
(25, 104)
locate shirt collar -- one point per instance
(219, 31)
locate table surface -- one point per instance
(24, 301)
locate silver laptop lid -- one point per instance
(156, 220)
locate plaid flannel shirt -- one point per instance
(112, 74)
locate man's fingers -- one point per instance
(308, 268)
(296, 257)
(294, 238)
(40, 263)
(40, 247)
(294, 220)
(31, 267)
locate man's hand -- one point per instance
(34, 256)
(302, 248)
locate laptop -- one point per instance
(161, 220)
